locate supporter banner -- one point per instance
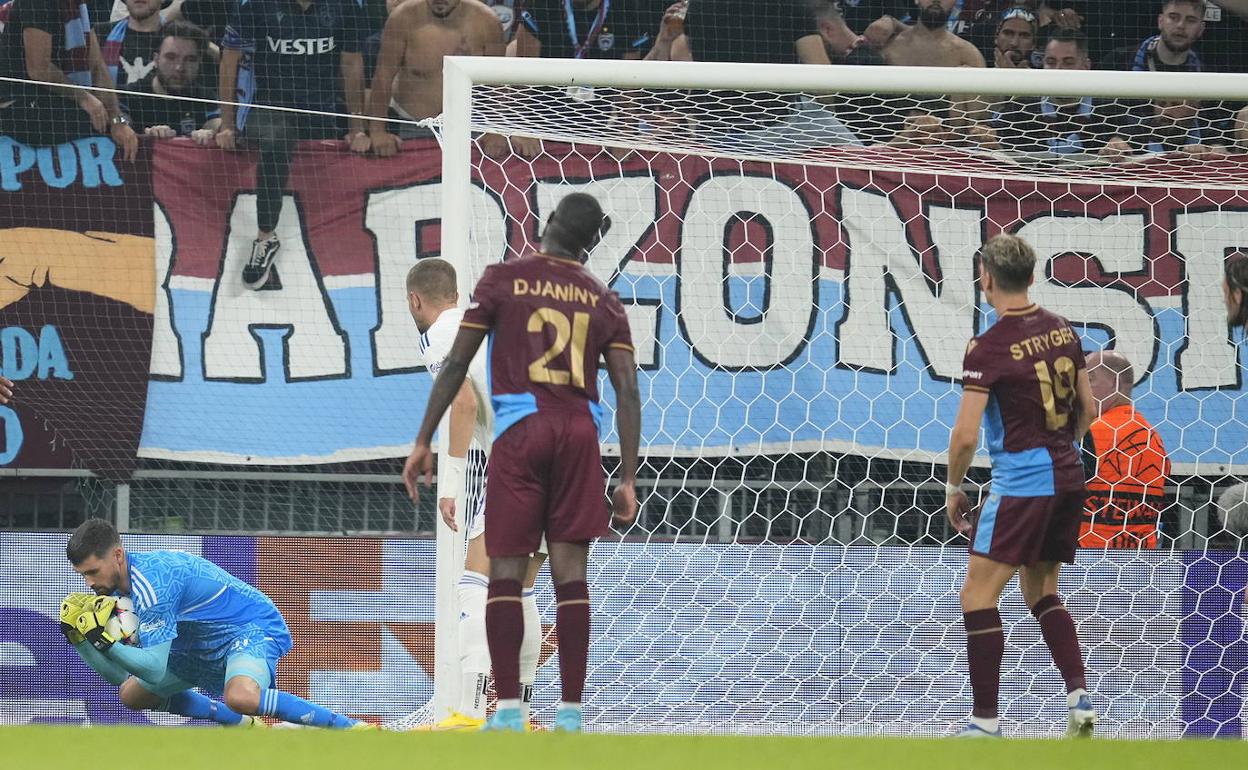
(757, 638)
(776, 308)
(76, 298)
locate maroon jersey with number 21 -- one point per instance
(550, 321)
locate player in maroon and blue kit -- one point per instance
(1025, 379)
(549, 322)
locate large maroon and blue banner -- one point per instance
(776, 308)
(688, 637)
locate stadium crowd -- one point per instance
(176, 51)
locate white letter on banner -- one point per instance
(942, 319)
(1208, 359)
(393, 217)
(166, 344)
(779, 333)
(633, 206)
(316, 348)
(1117, 242)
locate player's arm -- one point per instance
(147, 663)
(1085, 406)
(453, 467)
(445, 387)
(622, 369)
(962, 442)
(110, 671)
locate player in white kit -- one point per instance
(433, 299)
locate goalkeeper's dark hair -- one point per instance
(576, 226)
(94, 537)
(1237, 280)
(1009, 260)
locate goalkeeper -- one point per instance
(200, 627)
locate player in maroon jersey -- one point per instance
(549, 322)
(1025, 379)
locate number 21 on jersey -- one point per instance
(574, 331)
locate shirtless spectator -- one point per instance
(939, 120)
(408, 83)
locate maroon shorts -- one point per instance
(545, 476)
(1025, 530)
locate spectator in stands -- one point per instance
(1126, 493)
(1062, 125)
(1225, 35)
(1232, 509)
(1015, 39)
(929, 43)
(780, 32)
(129, 45)
(51, 41)
(183, 68)
(1181, 125)
(588, 29)
(1179, 27)
(408, 81)
(310, 60)
(843, 45)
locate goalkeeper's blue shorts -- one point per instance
(249, 652)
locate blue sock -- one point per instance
(291, 708)
(189, 703)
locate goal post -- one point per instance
(801, 314)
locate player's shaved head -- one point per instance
(1010, 261)
(93, 538)
(1119, 368)
(575, 227)
(433, 279)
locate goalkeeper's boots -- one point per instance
(251, 723)
(505, 721)
(456, 722)
(568, 719)
(1082, 719)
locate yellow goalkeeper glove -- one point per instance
(93, 618)
(71, 608)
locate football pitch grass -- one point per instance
(40, 748)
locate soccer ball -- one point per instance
(124, 623)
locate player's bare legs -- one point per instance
(1039, 586)
(569, 571)
(985, 637)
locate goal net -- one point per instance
(796, 251)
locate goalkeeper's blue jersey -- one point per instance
(198, 606)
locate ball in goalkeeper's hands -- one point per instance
(107, 620)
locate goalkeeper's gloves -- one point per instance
(71, 608)
(93, 618)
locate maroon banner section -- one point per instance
(77, 293)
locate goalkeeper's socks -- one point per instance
(985, 646)
(474, 650)
(1058, 630)
(572, 620)
(504, 627)
(189, 703)
(530, 649)
(296, 710)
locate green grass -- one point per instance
(43, 748)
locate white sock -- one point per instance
(530, 649)
(988, 724)
(1072, 697)
(503, 705)
(564, 706)
(474, 650)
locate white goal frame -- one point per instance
(461, 74)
